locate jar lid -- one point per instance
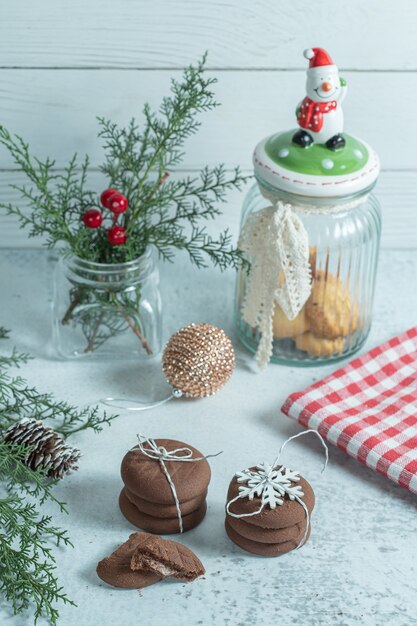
(318, 159)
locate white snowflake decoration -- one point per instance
(270, 484)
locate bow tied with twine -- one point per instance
(159, 452)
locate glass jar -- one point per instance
(336, 319)
(110, 310)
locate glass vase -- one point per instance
(107, 310)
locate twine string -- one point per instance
(294, 496)
(132, 404)
(304, 539)
(239, 515)
(161, 454)
(326, 460)
(301, 434)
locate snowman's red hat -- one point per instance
(318, 58)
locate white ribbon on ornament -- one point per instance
(161, 454)
(277, 243)
(132, 404)
(271, 484)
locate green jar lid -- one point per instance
(318, 159)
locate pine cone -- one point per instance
(46, 449)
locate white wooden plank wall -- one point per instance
(62, 62)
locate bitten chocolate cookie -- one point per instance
(261, 549)
(115, 569)
(160, 526)
(267, 535)
(145, 477)
(164, 510)
(167, 558)
(145, 559)
(288, 514)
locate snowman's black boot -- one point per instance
(302, 138)
(337, 142)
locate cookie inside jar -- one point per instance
(329, 318)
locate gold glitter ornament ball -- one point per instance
(198, 360)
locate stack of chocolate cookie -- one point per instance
(274, 531)
(147, 499)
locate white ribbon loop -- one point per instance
(301, 434)
(161, 454)
(277, 243)
(131, 404)
(294, 289)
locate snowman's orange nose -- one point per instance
(326, 86)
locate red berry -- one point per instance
(105, 196)
(92, 218)
(116, 235)
(117, 203)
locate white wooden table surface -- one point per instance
(358, 568)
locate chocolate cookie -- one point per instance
(267, 535)
(146, 478)
(157, 525)
(261, 549)
(167, 558)
(289, 513)
(165, 510)
(115, 569)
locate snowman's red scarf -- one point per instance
(310, 115)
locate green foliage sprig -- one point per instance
(27, 536)
(163, 211)
(27, 561)
(17, 398)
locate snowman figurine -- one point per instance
(320, 114)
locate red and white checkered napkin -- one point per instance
(369, 409)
